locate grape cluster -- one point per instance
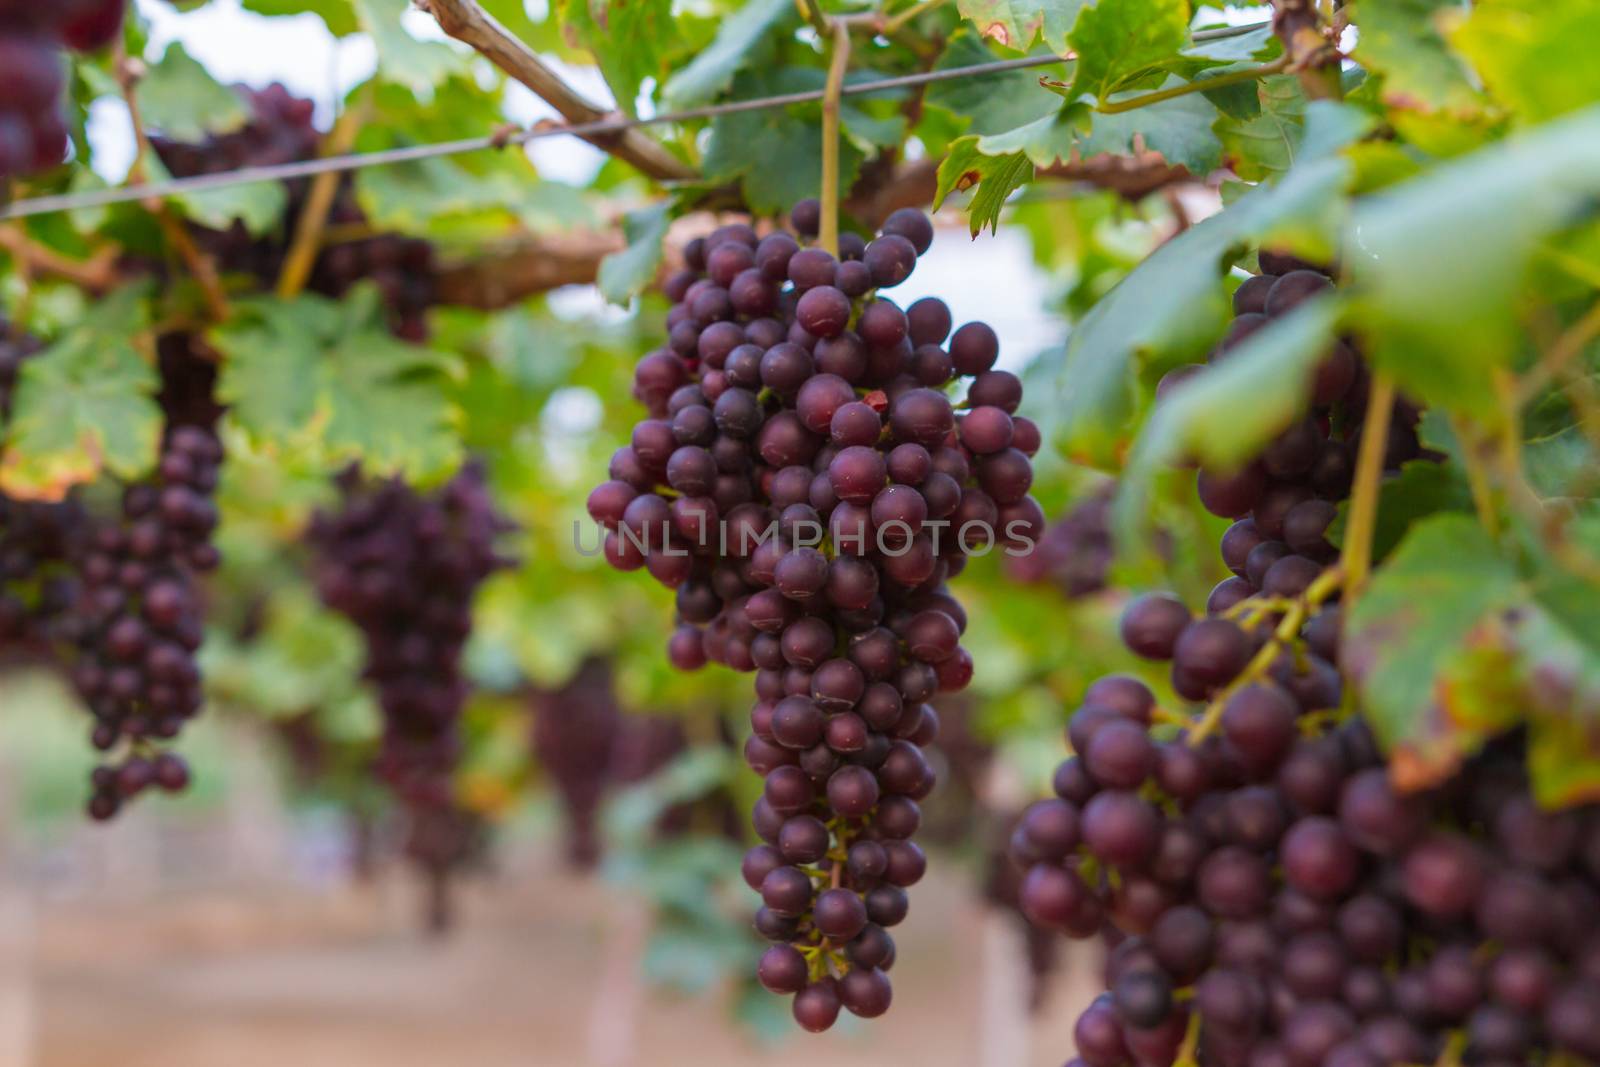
(1286, 499)
(281, 130)
(404, 566)
(806, 486)
(115, 599)
(1273, 901)
(16, 348)
(36, 589)
(1268, 898)
(588, 748)
(575, 729)
(1001, 882)
(139, 617)
(33, 125)
(1075, 552)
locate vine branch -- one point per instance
(1200, 86)
(1566, 348)
(1549, 525)
(1472, 449)
(910, 14)
(838, 63)
(128, 73)
(96, 274)
(812, 10)
(301, 258)
(469, 23)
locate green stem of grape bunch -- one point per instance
(1357, 554)
(838, 65)
(1284, 634)
(1203, 85)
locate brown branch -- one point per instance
(1569, 346)
(1132, 177)
(469, 23)
(1308, 47)
(514, 270)
(873, 199)
(128, 73)
(96, 274)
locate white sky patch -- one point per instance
(991, 279)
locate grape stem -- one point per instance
(129, 71)
(313, 221)
(1473, 448)
(22, 307)
(1566, 348)
(1198, 86)
(1326, 584)
(812, 10)
(96, 274)
(1188, 1052)
(895, 22)
(1450, 1056)
(838, 62)
(1357, 556)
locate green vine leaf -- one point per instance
(1202, 421)
(178, 97)
(735, 46)
(993, 103)
(316, 374)
(1118, 39)
(1401, 40)
(1536, 56)
(626, 274)
(271, 351)
(1424, 637)
(338, 15)
(1438, 258)
(418, 65)
(1253, 46)
(1044, 141)
(257, 206)
(1180, 129)
(631, 41)
(994, 177)
(1422, 488)
(85, 404)
(1017, 23)
(1264, 145)
(1172, 306)
(774, 152)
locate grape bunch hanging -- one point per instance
(404, 567)
(36, 588)
(33, 33)
(807, 487)
(115, 599)
(140, 617)
(1267, 897)
(281, 130)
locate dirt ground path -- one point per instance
(541, 973)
